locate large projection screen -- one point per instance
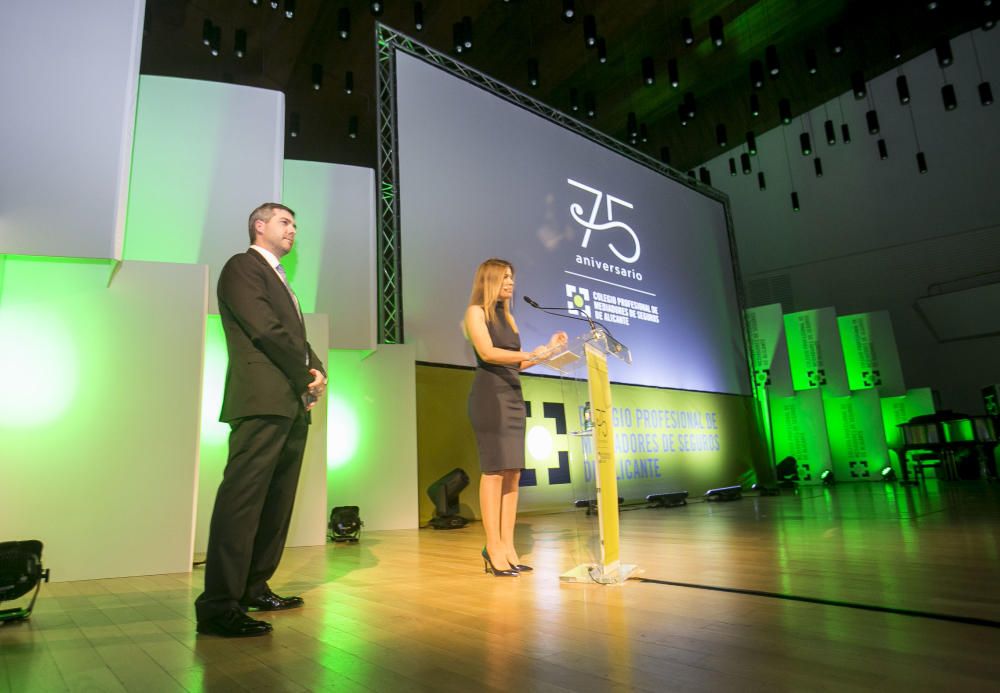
(583, 225)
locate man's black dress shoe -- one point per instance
(269, 601)
(234, 624)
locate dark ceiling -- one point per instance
(281, 53)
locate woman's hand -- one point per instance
(557, 340)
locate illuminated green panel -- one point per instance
(857, 436)
(42, 338)
(348, 417)
(309, 196)
(167, 168)
(799, 429)
(213, 431)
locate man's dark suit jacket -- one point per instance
(267, 373)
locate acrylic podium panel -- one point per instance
(587, 355)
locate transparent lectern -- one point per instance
(590, 351)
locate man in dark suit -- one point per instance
(273, 381)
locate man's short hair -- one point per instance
(264, 214)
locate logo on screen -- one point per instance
(578, 300)
(601, 217)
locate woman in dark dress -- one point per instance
(496, 408)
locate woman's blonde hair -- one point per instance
(486, 288)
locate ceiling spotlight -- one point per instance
(705, 175)
(293, 125)
(745, 164)
(214, 45)
(812, 63)
(761, 181)
(590, 104)
(795, 201)
(757, 74)
(943, 50)
(632, 125)
(344, 23)
(805, 143)
(349, 82)
(858, 84)
(289, 9)
(785, 111)
(921, 162)
(602, 51)
(687, 33)
(720, 135)
(732, 166)
(643, 133)
(835, 37)
(682, 115)
(948, 97)
(665, 155)
(771, 60)
(533, 72)
(568, 10)
(574, 100)
(845, 133)
(467, 32)
(871, 117)
(888, 473)
(985, 93)
(895, 48)
(457, 39)
(206, 32)
(883, 150)
(377, 8)
(751, 143)
(826, 476)
(418, 16)
(715, 31)
(672, 73)
(690, 103)
(352, 124)
(590, 31)
(240, 43)
(754, 105)
(818, 166)
(903, 89)
(648, 76)
(831, 134)
(274, 4)
(317, 76)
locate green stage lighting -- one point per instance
(888, 473)
(827, 477)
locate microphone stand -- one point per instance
(616, 346)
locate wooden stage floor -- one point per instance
(412, 610)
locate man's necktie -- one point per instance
(284, 280)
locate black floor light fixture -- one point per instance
(20, 572)
(345, 523)
(444, 494)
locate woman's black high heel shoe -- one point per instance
(522, 568)
(489, 568)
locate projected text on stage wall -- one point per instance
(588, 231)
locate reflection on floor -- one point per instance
(413, 611)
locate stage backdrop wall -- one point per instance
(196, 177)
(69, 72)
(333, 266)
(99, 413)
(372, 454)
(665, 440)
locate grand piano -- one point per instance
(959, 445)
